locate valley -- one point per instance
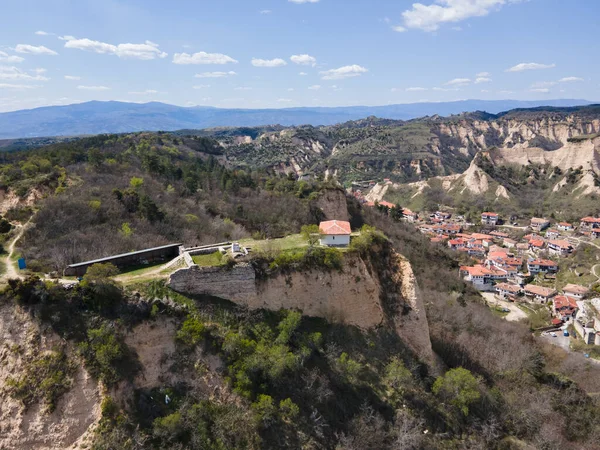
(305, 287)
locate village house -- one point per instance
(565, 308)
(508, 291)
(538, 224)
(457, 243)
(590, 223)
(535, 245)
(447, 228)
(564, 226)
(440, 215)
(560, 247)
(541, 266)
(489, 218)
(509, 243)
(552, 234)
(539, 293)
(587, 331)
(595, 234)
(409, 216)
(576, 291)
(335, 233)
(482, 277)
(498, 234)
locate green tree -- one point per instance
(459, 387)
(311, 234)
(136, 182)
(100, 272)
(126, 229)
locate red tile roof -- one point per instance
(576, 289)
(561, 243)
(491, 214)
(590, 220)
(539, 290)
(542, 262)
(335, 227)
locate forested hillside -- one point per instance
(242, 379)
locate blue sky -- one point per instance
(283, 53)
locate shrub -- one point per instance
(191, 332)
(103, 353)
(46, 378)
(459, 387)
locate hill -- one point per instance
(123, 361)
(117, 117)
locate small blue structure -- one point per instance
(22, 264)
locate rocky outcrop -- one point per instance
(78, 410)
(333, 204)
(355, 296)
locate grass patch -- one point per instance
(286, 243)
(498, 311)
(577, 345)
(211, 260)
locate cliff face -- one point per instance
(32, 428)
(333, 204)
(364, 294)
(411, 151)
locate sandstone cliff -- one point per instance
(366, 293)
(333, 204)
(68, 426)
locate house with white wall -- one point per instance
(335, 233)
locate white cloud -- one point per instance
(284, 100)
(215, 74)
(458, 82)
(265, 11)
(66, 37)
(34, 50)
(343, 72)
(243, 88)
(14, 73)
(570, 79)
(93, 88)
(484, 74)
(202, 58)
(201, 86)
(439, 89)
(302, 74)
(530, 66)
(5, 57)
(146, 51)
(399, 29)
(415, 89)
(17, 86)
(544, 84)
(72, 78)
(430, 17)
(304, 60)
(480, 80)
(505, 92)
(542, 90)
(314, 87)
(291, 89)
(146, 92)
(484, 91)
(43, 33)
(303, 1)
(277, 62)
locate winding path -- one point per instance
(11, 268)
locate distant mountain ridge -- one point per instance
(119, 117)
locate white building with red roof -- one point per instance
(335, 233)
(489, 218)
(560, 247)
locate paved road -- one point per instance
(515, 313)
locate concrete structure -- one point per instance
(147, 256)
(335, 233)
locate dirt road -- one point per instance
(12, 270)
(515, 313)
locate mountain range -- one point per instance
(97, 117)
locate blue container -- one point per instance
(22, 264)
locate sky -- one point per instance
(288, 53)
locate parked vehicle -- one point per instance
(553, 334)
(565, 333)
